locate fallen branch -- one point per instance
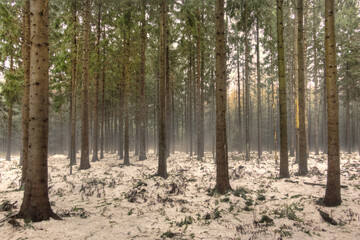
(327, 218)
(313, 184)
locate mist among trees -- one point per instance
(180, 119)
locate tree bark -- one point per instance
(97, 89)
(162, 167)
(36, 205)
(303, 170)
(84, 161)
(247, 90)
(259, 127)
(332, 194)
(26, 95)
(222, 172)
(284, 163)
(142, 155)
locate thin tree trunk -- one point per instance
(96, 95)
(284, 163)
(26, 96)
(162, 167)
(9, 133)
(316, 90)
(303, 169)
(259, 127)
(84, 163)
(142, 155)
(247, 90)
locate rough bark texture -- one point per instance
(142, 154)
(301, 91)
(36, 205)
(222, 172)
(84, 162)
(96, 95)
(162, 168)
(332, 195)
(26, 95)
(284, 163)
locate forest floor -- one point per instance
(112, 201)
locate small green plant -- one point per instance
(168, 234)
(217, 213)
(225, 199)
(130, 212)
(28, 223)
(261, 197)
(249, 202)
(241, 192)
(267, 220)
(187, 221)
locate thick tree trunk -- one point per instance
(36, 205)
(222, 172)
(162, 167)
(84, 162)
(284, 163)
(332, 195)
(301, 91)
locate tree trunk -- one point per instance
(247, 90)
(126, 89)
(332, 195)
(239, 99)
(200, 137)
(9, 132)
(222, 172)
(96, 95)
(301, 91)
(84, 162)
(316, 100)
(142, 155)
(26, 95)
(36, 205)
(347, 119)
(296, 80)
(162, 168)
(284, 163)
(259, 127)
(73, 87)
